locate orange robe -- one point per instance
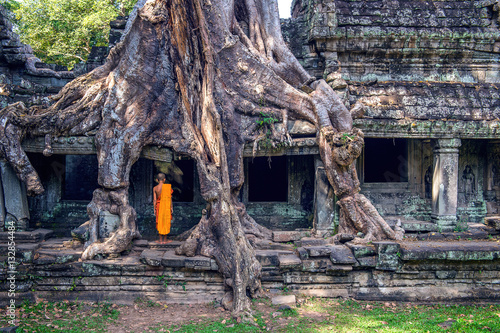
(163, 208)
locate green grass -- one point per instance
(64, 317)
(310, 315)
(354, 316)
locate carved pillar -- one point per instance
(15, 198)
(445, 183)
(324, 202)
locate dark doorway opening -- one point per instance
(180, 174)
(80, 177)
(386, 160)
(268, 179)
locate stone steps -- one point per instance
(34, 236)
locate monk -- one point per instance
(162, 199)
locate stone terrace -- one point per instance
(425, 267)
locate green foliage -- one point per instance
(165, 279)
(265, 120)
(64, 31)
(347, 137)
(10, 5)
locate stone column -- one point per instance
(324, 202)
(16, 200)
(445, 183)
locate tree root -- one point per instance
(357, 214)
(116, 202)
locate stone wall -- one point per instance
(418, 271)
(408, 40)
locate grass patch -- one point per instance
(324, 315)
(310, 315)
(71, 317)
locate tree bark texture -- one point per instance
(194, 76)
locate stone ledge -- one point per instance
(453, 251)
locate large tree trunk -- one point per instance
(193, 75)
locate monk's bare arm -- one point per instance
(154, 201)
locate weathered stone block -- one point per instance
(81, 233)
(267, 245)
(285, 299)
(289, 261)
(311, 242)
(324, 209)
(367, 261)
(419, 226)
(342, 255)
(388, 255)
(286, 236)
(319, 251)
(108, 223)
(446, 274)
(170, 259)
(140, 243)
(152, 257)
(454, 251)
(198, 263)
(303, 254)
(493, 221)
(362, 251)
(16, 201)
(387, 247)
(267, 258)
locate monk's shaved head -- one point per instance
(161, 176)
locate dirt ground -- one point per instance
(141, 316)
(138, 317)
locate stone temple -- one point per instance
(428, 74)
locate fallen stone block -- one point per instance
(284, 300)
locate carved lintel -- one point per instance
(84, 145)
